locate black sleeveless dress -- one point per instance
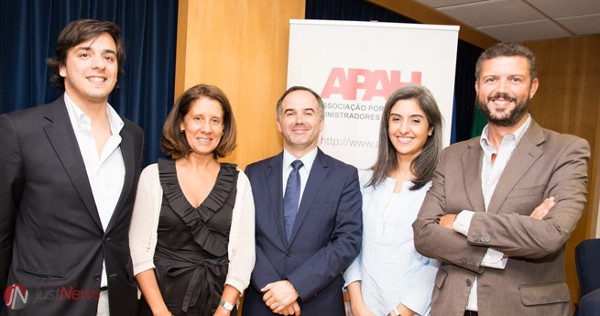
(191, 252)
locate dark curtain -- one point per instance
(29, 29)
(351, 10)
(467, 54)
(464, 89)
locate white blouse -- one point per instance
(144, 226)
(389, 268)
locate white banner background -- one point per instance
(354, 66)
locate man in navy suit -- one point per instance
(68, 174)
(301, 253)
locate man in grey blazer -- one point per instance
(502, 205)
(68, 174)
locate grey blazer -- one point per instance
(543, 164)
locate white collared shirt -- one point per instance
(106, 172)
(490, 174)
(304, 171)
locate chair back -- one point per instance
(587, 261)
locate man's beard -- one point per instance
(512, 118)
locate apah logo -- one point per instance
(373, 82)
(15, 296)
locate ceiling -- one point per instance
(524, 20)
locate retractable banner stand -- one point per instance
(355, 66)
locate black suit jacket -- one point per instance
(51, 238)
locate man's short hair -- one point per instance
(296, 88)
(80, 31)
(507, 49)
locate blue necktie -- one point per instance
(291, 198)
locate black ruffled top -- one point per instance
(191, 252)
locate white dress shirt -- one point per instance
(304, 171)
(490, 174)
(105, 172)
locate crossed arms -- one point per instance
(526, 225)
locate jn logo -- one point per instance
(15, 296)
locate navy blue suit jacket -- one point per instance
(326, 236)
